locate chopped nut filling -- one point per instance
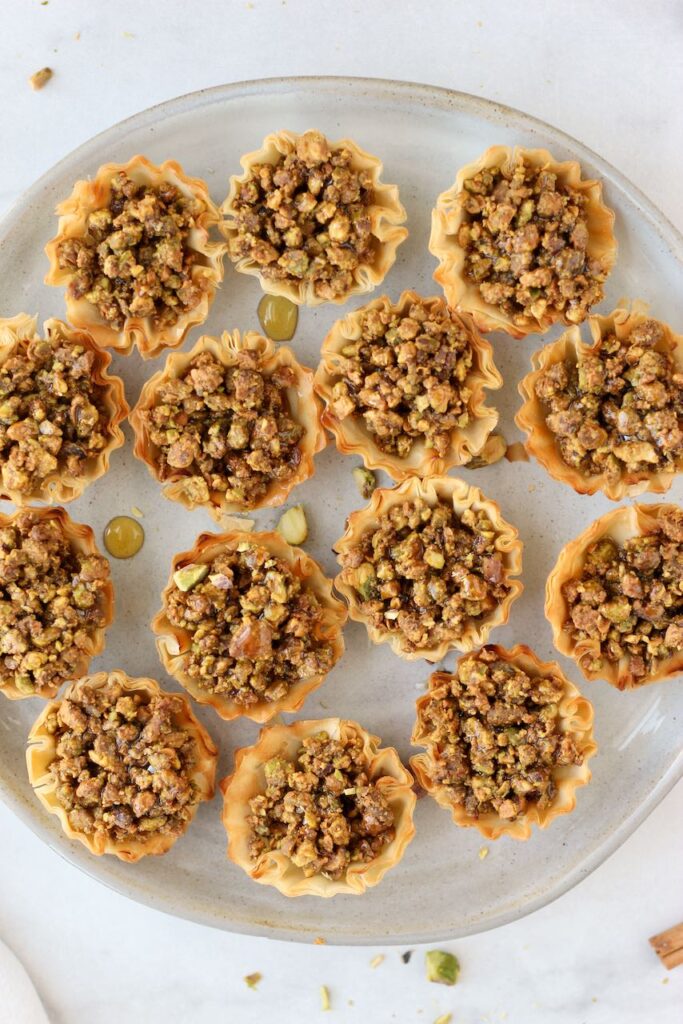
(619, 409)
(255, 627)
(322, 810)
(123, 764)
(629, 597)
(306, 217)
(136, 259)
(53, 415)
(50, 603)
(495, 736)
(425, 573)
(226, 429)
(406, 375)
(526, 239)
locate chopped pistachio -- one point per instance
(325, 998)
(366, 481)
(366, 581)
(434, 558)
(442, 967)
(483, 852)
(252, 980)
(24, 685)
(40, 78)
(189, 576)
(137, 512)
(445, 1018)
(293, 526)
(377, 960)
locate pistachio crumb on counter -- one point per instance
(483, 852)
(40, 78)
(442, 967)
(365, 481)
(445, 1018)
(252, 980)
(325, 998)
(293, 525)
(377, 960)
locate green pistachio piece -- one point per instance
(189, 576)
(442, 967)
(365, 480)
(293, 526)
(24, 685)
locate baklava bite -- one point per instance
(508, 738)
(59, 411)
(428, 566)
(404, 385)
(56, 600)
(133, 249)
(122, 764)
(318, 808)
(232, 425)
(608, 416)
(249, 624)
(615, 596)
(522, 241)
(311, 218)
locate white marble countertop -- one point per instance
(607, 73)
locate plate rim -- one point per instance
(431, 95)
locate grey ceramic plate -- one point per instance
(441, 889)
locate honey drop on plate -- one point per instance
(278, 317)
(123, 537)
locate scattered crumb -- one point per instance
(594, 999)
(480, 24)
(377, 960)
(483, 852)
(405, 957)
(41, 78)
(252, 980)
(320, 941)
(665, 981)
(516, 452)
(137, 511)
(350, 1002)
(325, 998)
(77, 36)
(44, 3)
(128, 35)
(445, 1018)
(531, 488)
(250, 7)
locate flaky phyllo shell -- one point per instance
(351, 433)
(15, 333)
(386, 216)
(41, 753)
(81, 539)
(173, 643)
(618, 525)
(432, 490)
(95, 194)
(542, 443)
(575, 715)
(449, 215)
(248, 780)
(304, 405)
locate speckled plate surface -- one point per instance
(441, 888)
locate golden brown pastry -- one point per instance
(318, 808)
(133, 250)
(232, 425)
(404, 386)
(508, 740)
(56, 601)
(311, 218)
(122, 764)
(428, 567)
(615, 597)
(59, 411)
(522, 241)
(249, 624)
(606, 417)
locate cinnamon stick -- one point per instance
(668, 946)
